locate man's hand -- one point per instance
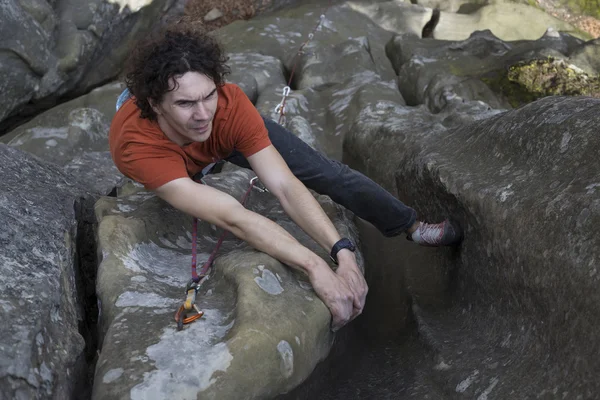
(354, 279)
(335, 293)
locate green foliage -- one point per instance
(587, 7)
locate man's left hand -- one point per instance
(348, 270)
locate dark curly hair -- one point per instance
(171, 52)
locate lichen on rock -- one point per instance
(549, 77)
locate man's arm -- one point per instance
(221, 209)
(304, 209)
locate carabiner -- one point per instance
(188, 305)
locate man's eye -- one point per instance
(186, 104)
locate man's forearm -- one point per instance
(304, 209)
(268, 237)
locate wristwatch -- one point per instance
(343, 243)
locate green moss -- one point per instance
(549, 77)
(525, 82)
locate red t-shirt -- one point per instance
(143, 153)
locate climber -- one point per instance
(178, 116)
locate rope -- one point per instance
(195, 277)
(280, 108)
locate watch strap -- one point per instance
(343, 243)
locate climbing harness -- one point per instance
(280, 108)
(193, 286)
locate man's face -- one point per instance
(185, 114)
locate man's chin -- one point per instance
(198, 136)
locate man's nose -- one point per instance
(201, 111)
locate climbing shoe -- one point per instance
(445, 233)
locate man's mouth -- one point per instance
(202, 128)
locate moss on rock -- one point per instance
(550, 77)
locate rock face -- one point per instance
(50, 49)
(504, 18)
(74, 135)
(264, 328)
(41, 351)
(510, 297)
(501, 74)
(508, 314)
(485, 314)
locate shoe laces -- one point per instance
(432, 233)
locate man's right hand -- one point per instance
(335, 293)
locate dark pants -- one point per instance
(344, 185)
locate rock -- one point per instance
(213, 15)
(74, 135)
(41, 295)
(474, 321)
(587, 57)
(475, 69)
(548, 77)
(53, 49)
(488, 312)
(254, 72)
(264, 328)
(509, 175)
(507, 20)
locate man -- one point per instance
(183, 117)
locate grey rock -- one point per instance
(41, 351)
(213, 15)
(52, 49)
(473, 69)
(587, 57)
(253, 72)
(506, 20)
(74, 135)
(506, 178)
(264, 328)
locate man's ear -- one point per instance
(154, 106)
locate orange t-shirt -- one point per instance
(143, 153)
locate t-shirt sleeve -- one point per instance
(248, 127)
(151, 167)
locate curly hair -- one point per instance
(170, 53)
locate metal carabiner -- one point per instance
(262, 189)
(188, 305)
(280, 108)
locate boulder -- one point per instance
(43, 288)
(587, 57)
(507, 20)
(485, 68)
(74, 135)
(53, 49)
(487, 314)
(264, 329)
